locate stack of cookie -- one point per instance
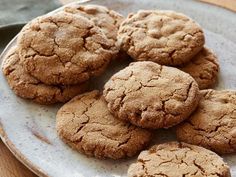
(172, 39)
(57, 54)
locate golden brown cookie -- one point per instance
(203, 68)
(108, 20)
(26, 86)
(150, 95)
(69, 47)
(176, 159)
(213, 124)
(86, 125)
(164, 37)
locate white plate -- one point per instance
(28, 129)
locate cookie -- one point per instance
(176, 159)
(26, 86)
(203, 68)
(213, 125)
(161, 36)
(108, 20)
(69, 47)
(150, 95)
(86, 124)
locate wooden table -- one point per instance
(11, 167)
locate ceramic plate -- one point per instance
(28, 129)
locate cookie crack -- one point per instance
(84, 113)
(194, 127)
(37, 53)
(199, 167)
(164, 162)
(143, 163)
(185, 175)
(188, 90)
(125, 142)
(216, 127)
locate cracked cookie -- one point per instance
(26, 86)
(213, 124)
(150, 95)
(86, 124)
(203, 68)
(164, 37)
(108, 20)
(176, 159)
(64, 48)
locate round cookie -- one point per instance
(69, 47)
(203, 68)
(150, 95)
(86, 124)
(176, 159)
(213, 124)
(26, 86)
(108, 20)
(161, 36)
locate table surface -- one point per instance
(11, 167)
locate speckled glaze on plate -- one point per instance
(28, 129)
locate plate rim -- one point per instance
(3, 135)
(25, 161)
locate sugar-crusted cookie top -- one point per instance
(27, 86)
(150, 95)
(178, 159)
(203, 68)
(213, 123)
(87, 125)
(165, 37)
(69, 47)
(108, 20)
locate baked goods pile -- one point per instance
(57, 55)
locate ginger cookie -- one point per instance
(203, 68)
(161, 36)
(150, 95)
(213, 124)
(26, 86)
(108, 20)
(176, 159)
(69, 47)
(86, 124)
